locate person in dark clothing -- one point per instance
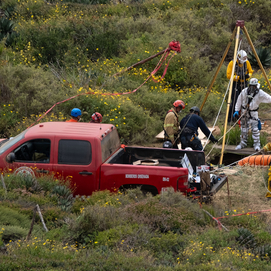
(189, 130)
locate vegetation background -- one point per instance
(53, 50)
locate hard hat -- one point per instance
(167, 144)
(76, 112)
(194, 109)
(253, 82)
(97, 117)
(242, 56)
(179, 103)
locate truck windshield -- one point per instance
(12, 141)
(110, 144)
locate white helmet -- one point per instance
(253, 82)
(242, 56)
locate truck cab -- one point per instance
(72, 151)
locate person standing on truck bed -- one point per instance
(96, 118)
(76, 115)
(189, 130)
(171, 125)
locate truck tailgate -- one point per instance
(113, 176)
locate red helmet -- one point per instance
(179, 103)
(97, 117)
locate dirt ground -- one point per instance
(247, 192)
(248, 184)
(265, 117)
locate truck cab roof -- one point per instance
(97, 130)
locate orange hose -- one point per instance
(256, 160)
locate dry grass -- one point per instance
(248, 188)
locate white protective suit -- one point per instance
(250, 118)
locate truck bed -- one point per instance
(159, 156)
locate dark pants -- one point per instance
(237, 87)
(195, 144)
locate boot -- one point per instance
(239, 147)
(257, 147)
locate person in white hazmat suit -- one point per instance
(248, 102)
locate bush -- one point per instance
(92, 220)
(13, 233)
(264, 55)
(8, 216)
(26, 91)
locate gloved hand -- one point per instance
(236, 114)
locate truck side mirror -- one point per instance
(10, 157)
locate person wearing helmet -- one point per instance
(242, 73)
(96, 118)
(189, 130)
(171, 124)
(248, 102)
(75, 115)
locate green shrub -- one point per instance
(264, 55)
(64, 196)
(117, 236)
(8, 216)
(156, 213)
(13, 233)
(30, 90)
(245, 238)
(92, 220)
(169, 242)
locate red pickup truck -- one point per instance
(91, 156)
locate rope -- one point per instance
(175, 47)
(165, 70)
(248, 213)
(218, 115)
(182, 129)
(226, 133)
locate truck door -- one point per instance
(33, 157)
(75, 163)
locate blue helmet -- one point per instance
(76, 112)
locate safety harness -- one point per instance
(186, 130)
(250, 98)
(241, 72)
